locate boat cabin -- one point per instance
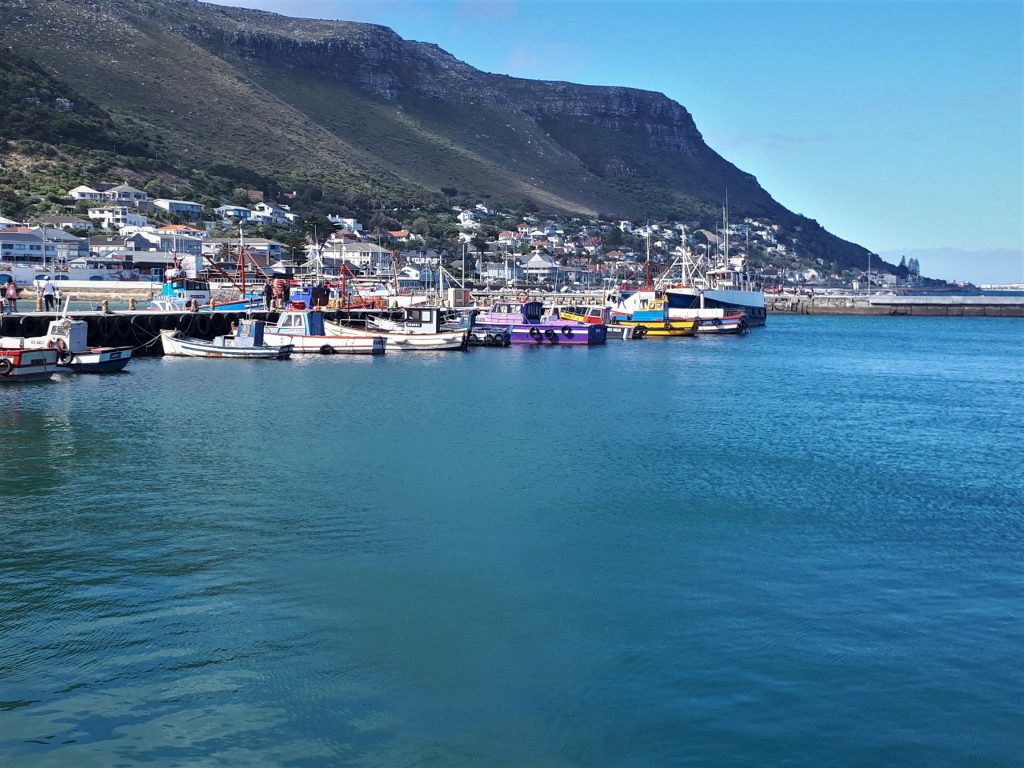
(300, 322)
(528, 311)
(310, 296)
(412, 320)
(74, 333)
(591, 315)
(248, 334)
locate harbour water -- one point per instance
(797, 547)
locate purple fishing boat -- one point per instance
(526, 323)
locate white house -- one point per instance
(367, 256)
(467, 220)
(126, 195)
(86, 193)
(350, 224)
(116, 216)
(233, 212)
(184, 208)
(265, 213)
(541, 267)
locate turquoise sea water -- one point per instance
(799, 547)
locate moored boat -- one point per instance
(721, 322)
(647, 310)
(246, 343)
(306, 331)
(18, 365)
(709, 293)
(74, 355)
(414, 329)
(526, 323)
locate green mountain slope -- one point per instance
(356, 111)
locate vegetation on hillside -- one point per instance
(206, 103)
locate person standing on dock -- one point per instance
(11, 296)
(268, 295)
(48, 294)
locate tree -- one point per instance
(612, 237)
(420, 226)
(316, 227)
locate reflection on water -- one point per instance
(714, 551)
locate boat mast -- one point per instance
(648, 255)
(725, 226)
(241, 261)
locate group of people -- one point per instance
(276, 293)
(50, 292)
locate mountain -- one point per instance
(209, 93)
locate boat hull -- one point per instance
(182, 346)
(97, 360)
(661, 327)
(552, 334)
(328, 345)
(707, 304)
(726, 324)
(406, 342)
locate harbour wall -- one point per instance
(920, 306)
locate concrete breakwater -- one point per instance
(937, 305)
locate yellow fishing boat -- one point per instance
(652, 316)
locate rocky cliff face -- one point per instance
(355, 105)
(379, 62)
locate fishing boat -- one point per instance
(723, 293)
(596, 314)
(648, 309)
(246, 343)
(18, 365)
(526, 323)
(74, 355)
(408, 329)
(305, 331)
(722, 321)
(715, 287)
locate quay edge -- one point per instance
(918, 306)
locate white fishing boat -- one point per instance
(720, 293)
(74, 355)
(246, 343)
(304, 330)
(414, 329)
(715, 289)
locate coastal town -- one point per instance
(116, 231)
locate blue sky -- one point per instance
(897, 125)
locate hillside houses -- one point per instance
(125, 203)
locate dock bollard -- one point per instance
(105, 305)
(131, 303)
(39, 303)
(213, 305)
(195, 305)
